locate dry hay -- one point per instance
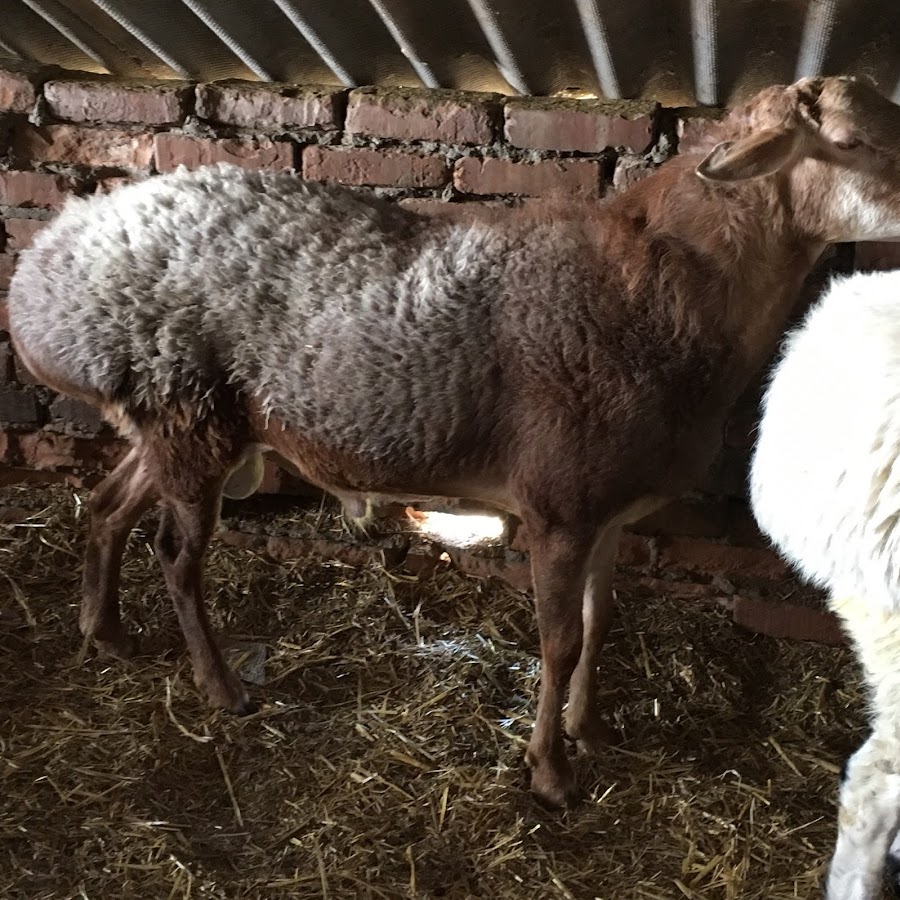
(386, 758)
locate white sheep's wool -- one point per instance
(825, 478)
(825, 486)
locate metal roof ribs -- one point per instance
(504, 58)
(312, 38)
(421, 68)
(703, 37)
(204, 15)
(598, 44)
(139, 34)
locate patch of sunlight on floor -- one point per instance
(460, 530)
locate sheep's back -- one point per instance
(333, 311)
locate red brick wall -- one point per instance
(442, 152)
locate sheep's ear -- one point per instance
(751, 157)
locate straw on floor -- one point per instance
(386, 758)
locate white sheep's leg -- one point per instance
(869, 815)
(867, 822)
(583, 720)
(892, 867)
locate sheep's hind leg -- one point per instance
(583, 720)
(115, 505)
(185, 530)
(558, 559)
(869, 814)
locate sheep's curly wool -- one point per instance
(825, 479)
(303, 296)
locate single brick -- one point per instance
(546, 178)
(241, 539)
(411, 114)
(372, 167)
(271, 106)
(282, 549)
(20, 232)
(162, 103)
(44, 450)
(511, 568)
(34, 189)
(174, 150)
(81, 146)
(80, 416)
(541, 123)
(697, 556)
(673, 589)
(18, 407)
(786, 620)
(50, 450)
(7, 267)
(18, 88)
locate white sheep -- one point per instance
(825, 486)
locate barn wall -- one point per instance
(442, 152)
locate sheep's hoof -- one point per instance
(123, 646)
(554, 784)
(228, 693)
(593, 736)
(892, 874)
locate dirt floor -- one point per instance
(386, 758)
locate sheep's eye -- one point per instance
(848, 144)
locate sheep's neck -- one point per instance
(755, 262)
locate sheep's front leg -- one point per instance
(116, 505)
(558, 561)
(892, 867)
(869, 814)
(583, 720)
(868, 821)
(892, 864)
(185, 530)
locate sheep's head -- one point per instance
(834, 142)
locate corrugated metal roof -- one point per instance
(677, 51)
